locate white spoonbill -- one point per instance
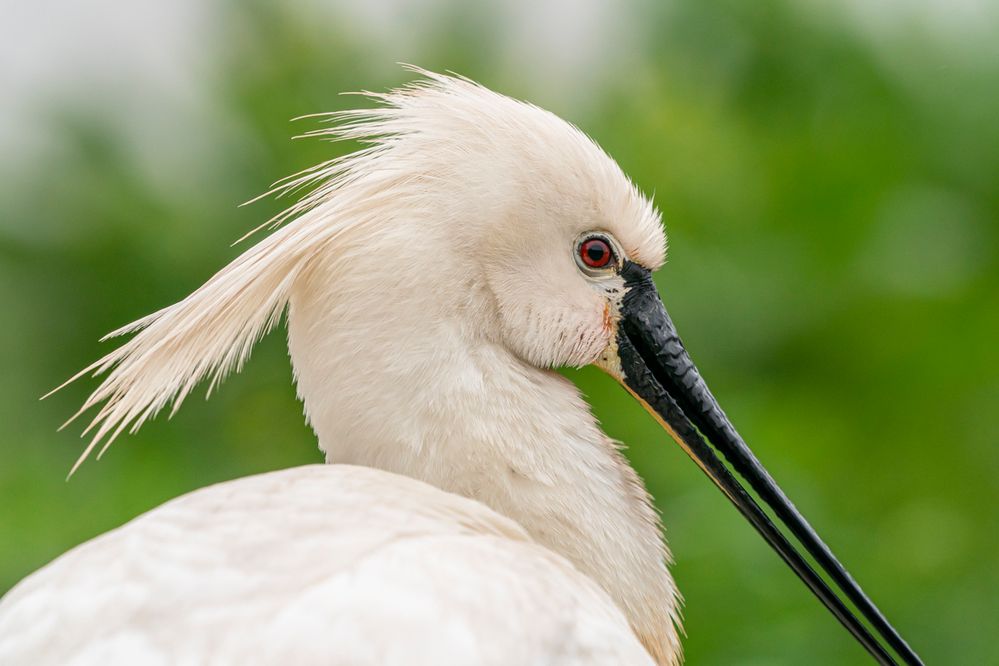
(475, 513)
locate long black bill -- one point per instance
(657, 369)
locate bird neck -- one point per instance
(423, 398)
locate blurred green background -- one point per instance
(829, 177)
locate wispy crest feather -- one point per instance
(212, 331)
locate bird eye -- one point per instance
(595, 252)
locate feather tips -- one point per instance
(211, 332)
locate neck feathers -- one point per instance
(397, 383)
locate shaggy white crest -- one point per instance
(434, 144)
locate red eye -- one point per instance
(596, 252)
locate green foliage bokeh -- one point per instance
(833, 268)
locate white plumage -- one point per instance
(429, 285)
(431, 281)
(312, 566)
